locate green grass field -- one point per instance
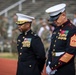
(8, 55)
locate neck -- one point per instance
(62, 22)
(27, 30)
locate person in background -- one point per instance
(39, 25)
(63, 43)
(34, 26)
(31, 54)
(45, 34)
(74, 20)
(44, 25)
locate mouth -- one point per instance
(20, 29)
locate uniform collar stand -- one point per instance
(27, 31)
(66, 23)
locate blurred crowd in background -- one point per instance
(9, 32)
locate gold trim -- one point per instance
(66, 57)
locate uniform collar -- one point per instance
(66, 23)
(63, 25)
(27, 32)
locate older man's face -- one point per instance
(24, 27)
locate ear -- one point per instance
(28, 25)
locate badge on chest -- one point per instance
(26, 42)
(63, 34)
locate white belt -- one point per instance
(58, 53)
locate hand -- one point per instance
(53, 72)
(48, 70)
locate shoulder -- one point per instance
(19, 36)
(34, 35)
(71, 25)
(72, 31)
(35, 39)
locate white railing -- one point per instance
(33, 1)
(5, 11)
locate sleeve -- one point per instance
(70, 51)
(39, 52)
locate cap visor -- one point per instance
(54, 18)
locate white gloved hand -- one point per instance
(48, 70)
(53, 72)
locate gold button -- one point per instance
(54, 45)
(31, 32)
(55, 65)
(20, 53)
(25, 33)
(58, 33)
(29, 65)
(62, 25)
(18, 40)
(21, 47)
(23, 37)
(53, 49)
(56, 36)
(55, 40)
(58, 62)
(53, 53)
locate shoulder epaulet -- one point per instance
(34, 34)
(72, 31)
(71, 25)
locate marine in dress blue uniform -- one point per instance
(31, 54)
(63, 43)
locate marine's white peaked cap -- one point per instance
(23, 18)
(55, 10)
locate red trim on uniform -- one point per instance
(70, 25)
(58, 65)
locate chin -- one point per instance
(20, 30)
